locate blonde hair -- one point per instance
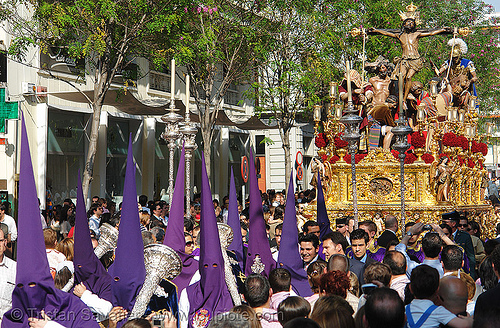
(65, 246)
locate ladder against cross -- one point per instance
(8, 110)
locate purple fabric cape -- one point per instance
(258, 244)
(209, 296)
(322, 217)
(233, 220)
(88, 268)
(35, 289)
(174, 236)
(290, 258)
(129, 270)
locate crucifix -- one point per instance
(410, 62)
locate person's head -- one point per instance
(248, 314)
(489, 318)
(280, 280)
(409, 25)
(334, 243)
(384, 309)
(452, 258)
(50, 238)
(293, 307)
(359, 243)
(341, 225)
(424, 282)
(451, 219)
(95, 199)
(489, 246)
(189, 247)
(147, 238)
(382, 69)
(370, 227)
(314, 272)
(474, 229)
(144, 217)
(333, 312)
(391, 223)
(3, 210)
(157, 209)
(158, 234)
(301, 323)
(143, 200)
(65, 246)
(63, 275)
(334, 283)
(495, 260)
(188, 225)
(431, 245)
(413, 238)
(309, 247)
(396, 261)
(257, 290)
(338, 262)
(95, 210)
(463, 224)
(311, 227)
(453, 294)
(3, 244)
(487, 275)
(377, 271)
(277, 234)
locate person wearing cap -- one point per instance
(7, 277)
(462, 239)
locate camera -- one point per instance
(158, 321)
(427, 227)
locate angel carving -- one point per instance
(441, 174)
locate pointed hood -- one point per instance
(129, 270)
(233, 220)
(210, 293)
(88, 268)
(35, 289)
(174, 235)
(323, 221)
(258, 243)
(290, 258)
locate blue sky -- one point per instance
(495, 3)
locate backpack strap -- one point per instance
(422, 319)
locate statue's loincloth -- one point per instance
(409, 63)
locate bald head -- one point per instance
(338, 262)
(391, 222)
(453, 294)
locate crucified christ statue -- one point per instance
(410, 62)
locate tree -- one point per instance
(220, 46)
(108, 34)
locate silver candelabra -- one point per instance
(171, 135)
(189, 132)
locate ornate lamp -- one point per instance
(189, 132)
(351, 122)
(401, 132)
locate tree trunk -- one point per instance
(89, 161)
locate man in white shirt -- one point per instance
(7, 277)
(9, 221)
(95, 219)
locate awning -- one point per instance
(130, 104)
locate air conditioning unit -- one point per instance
(28, 88)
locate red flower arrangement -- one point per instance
(470, 163)
(357, 158)
(461, 160)
(339, 142)
(410, 158)
(323, 158)
(418, 139)
(450, 140)
(321, 141)
(334, 159)
(479, 147)
(428, 158)
(463, 142)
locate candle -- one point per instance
(349, 92)
(172, 79)
(317, 113)
(333, 90)
(461, 116)
(187, 96)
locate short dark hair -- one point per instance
(452, 257)
(489, 318)
(431, 244)
(278, 227)
(396, 261)
(424, 281)
(338, 262)
(385, 309)
(293, 307)
(489, 246)
(310, 237)
(256, 290)
(360, 234)
(495, 258)
(305, 227)
(279, 212)
(280, 280)
(372, 227)
(143, 200)
(301, 323)
(336, 238)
